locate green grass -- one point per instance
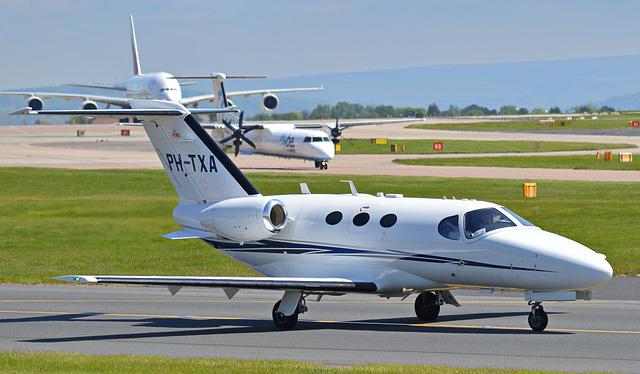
(425, 146)
(15, 362)
(576, 125)
(545, 162)
(55, 221)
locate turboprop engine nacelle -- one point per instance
(35, 103)
(269, 102)
(88, 104)
(245, 218)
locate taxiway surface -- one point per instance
(103, 148)
(487, 331)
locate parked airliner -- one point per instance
(318, 244)
(153, 86)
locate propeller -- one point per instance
(336, 132)
(239, 133)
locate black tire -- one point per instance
(538, 320)
(318, 164)
(281, 321)
(426, 307)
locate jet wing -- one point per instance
(101, 86)
(119, 101)
(210, 97)
(279, 90)
(266, 283)
(186, 101)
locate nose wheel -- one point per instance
(538, 319)
(322, 165)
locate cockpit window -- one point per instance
(481, 221)
(448, 228)
(522, 221)
(325, 139)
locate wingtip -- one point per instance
(77, 279)
(23, 111)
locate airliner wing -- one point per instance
(101, 86)
(186, 101)
(264, 283)
(210, 97)
(119, 101)
(262, 92)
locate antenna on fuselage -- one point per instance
(354, 192)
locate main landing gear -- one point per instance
(538, 319)
(322, 165)
(427, 306)
(293, 304)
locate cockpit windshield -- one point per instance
(523, 221)
(482, 221)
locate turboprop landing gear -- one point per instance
(538, 319)
(427, 306)
(280, 318)
(322, 165)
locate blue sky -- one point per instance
(55, 42)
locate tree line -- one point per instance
(352, 111)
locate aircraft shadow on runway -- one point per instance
(183, 327)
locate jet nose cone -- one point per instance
(593, 272)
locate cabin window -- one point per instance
(388, 220)
(333, 218)
(482, 221)
(361, 219)
(448, 228)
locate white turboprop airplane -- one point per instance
(307, 141)
(316, 244)
(152, 86)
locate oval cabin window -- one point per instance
(388, 220)
(334, 218)
(361, 219)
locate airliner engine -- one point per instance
(88, 104)
(245, 218)
(35, 103)
(269, 102)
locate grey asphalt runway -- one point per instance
(487, 331)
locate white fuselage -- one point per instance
(412, 253)
(154, 86)
(284, 140)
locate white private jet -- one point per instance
(152, 86)
(317, 244)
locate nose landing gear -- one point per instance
(322, 164)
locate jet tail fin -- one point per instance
(198, 168)
(134, 47)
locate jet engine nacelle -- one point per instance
(269, 102)
(35, 103)
(88, 105)
(245, 218)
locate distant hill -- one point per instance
(612, 81)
